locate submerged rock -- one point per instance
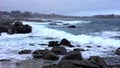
(66, 43)
(72, 26)
(60, 50)
(24, 52)
(89, 46)
(78, 49)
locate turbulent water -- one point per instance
(102, 35)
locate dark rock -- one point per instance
(78, 49)
(4, 28)
(18, 23)
(37, 54)
(50, 56)
(46, 51)
(99, 61)
(27, 28)
(76, 64)
(45, 54)
(89, 46)
(42, 44)
(24, 52)
(51, 66)
(59, 50)
(73, 55)
(66, 43)
(72, 26)
(4, 60)
(99, 46)
(19, 28)
(66, 64)
(117, 51)
(53, 43)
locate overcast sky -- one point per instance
(66, 7)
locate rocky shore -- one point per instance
(59, 57)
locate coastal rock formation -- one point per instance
(98, 61)
(19, 28)
(73, 55)
(37, 54)
(60, 50)
(45, 55)
(4, 28)
(48, 55)
(93, 62)
(66, 43)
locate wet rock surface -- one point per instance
(78, 49)
(73, 55)
(24, 52)
(65, 42)
(60, 50)
(17, 27)
(53, 43)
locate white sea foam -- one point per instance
(107, 34)
(11, 44)
(61, 22)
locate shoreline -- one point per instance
(39, 63)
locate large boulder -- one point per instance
(37, 54)
(76, 64)
(45, 55)
(73, 55)
(20, 28)
(53, 43)
(66, 43)
(48, 55)
(99, 61)
(24, 52)
(60, 50)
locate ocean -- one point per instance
(102, 35)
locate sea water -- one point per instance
(103, 33)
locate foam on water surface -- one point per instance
(11, 44)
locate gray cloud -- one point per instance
(67, 7)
